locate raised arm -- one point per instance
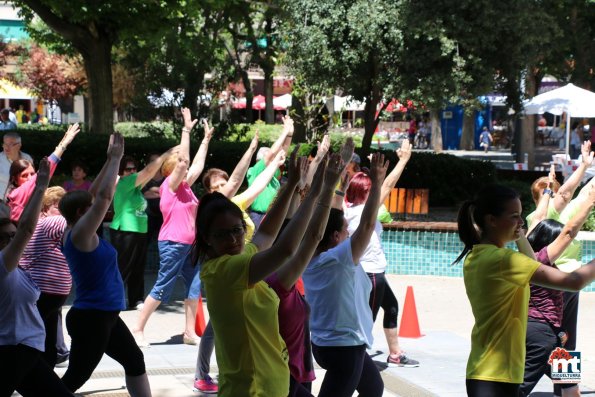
(263, 179)
(363, 233)
(239, 173)
(571, 229)
(72, 131)
(404, 154)
(198, 164)
(151, 169)
(289, 273)
(83, 232)
(13, 251)
(283, 142)
(179, 172)
(544, 202)
(566, 191)
(323, 148)
(346, 154)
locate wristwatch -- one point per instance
(548, 191)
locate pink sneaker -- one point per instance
(206, 386)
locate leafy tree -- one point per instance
(92, 28)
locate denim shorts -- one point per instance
(175, 260)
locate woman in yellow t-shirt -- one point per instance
(251, 355)
(497, 285)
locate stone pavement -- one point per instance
(444, 316)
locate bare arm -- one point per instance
(289, 273)
(198, 164)
(179, 172)
(263, 179)
(83, 232)
(524, 247)
(151, 169)
(550, 277)
(566, 191)
(544, 202)
(323, 148)
(283, 142)
(239, 173)
(72, 131)
(13, 251)
(404, 154)
(346, 154)
(363, 233)
(571, 229)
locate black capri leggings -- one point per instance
(484, 388)
(93, 333)
(348, 368)
(382, 296)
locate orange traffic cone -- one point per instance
(409, 323)
(199, 324)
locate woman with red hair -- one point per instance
(373, 259)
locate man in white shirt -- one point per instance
(11, 146)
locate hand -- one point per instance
(404, 153)
(188, 122)
(254, 142)
(324, 146)
(378, 168)
(183, 161)
(586, 153)
(43, 174)
(288, 125)
(72, 131)
(333, 170)
(297, 167)
(551, 178)
(115, 148)
(280, 158)
(319, 177)
(208, 130)
(347, 150)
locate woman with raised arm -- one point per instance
(497, 284)
(547, 241)
(22, 334)
(242, 307)
(373, 259)
(22, 175)
(93, 322)
(338, 292)
(178, 205)
(293, 308)
(128, 229)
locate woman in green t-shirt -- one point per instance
(497, 285)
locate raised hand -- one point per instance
(115, 148)
(319, 177)
(72, 131)
(347, 150)
(254, 142)
(188, 122)
(280, 158)
(404, 153)
(378, 168)
(297, 167)
(43, 173)
(288, 125)
(208, 130)
(586, 153)
(324, 146)
(551, 177)
(334, 170)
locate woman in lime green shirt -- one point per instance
(497, 285)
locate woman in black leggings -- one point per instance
(22, 334)
(93, 322)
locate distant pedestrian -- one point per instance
(6, 123)
(485, 139)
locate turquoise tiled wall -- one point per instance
(428, 253)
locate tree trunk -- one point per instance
(98, 68)
(299, 133)
(468, 133)
(370, 123)
(437, 144)
(191, 91)
(249, 95)
(269, 113)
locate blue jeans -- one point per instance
(175, 261)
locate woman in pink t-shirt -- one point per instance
(178, 205)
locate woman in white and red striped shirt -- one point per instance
(46, 265)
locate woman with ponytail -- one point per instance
(497, 285)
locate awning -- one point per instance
(10, 91)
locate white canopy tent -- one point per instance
(570, 99)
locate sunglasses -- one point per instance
(130, 169)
